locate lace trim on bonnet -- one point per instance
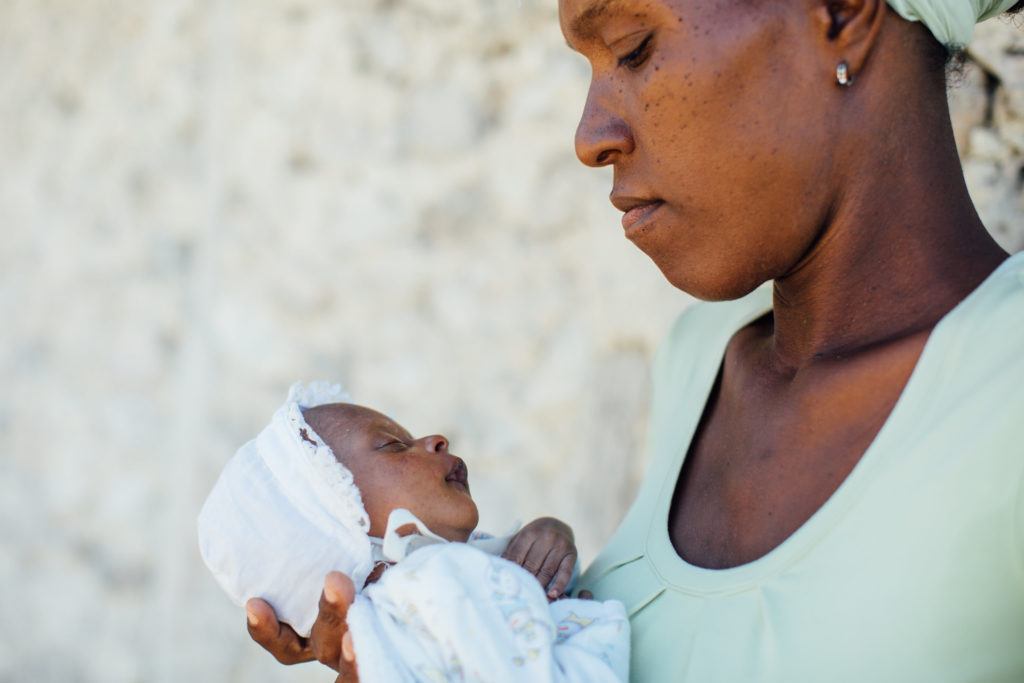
(334, 481)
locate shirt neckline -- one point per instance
(679, 574)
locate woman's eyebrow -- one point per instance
(586, 21)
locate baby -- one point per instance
(334, 486)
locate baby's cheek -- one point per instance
(378, 501)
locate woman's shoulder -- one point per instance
(984, 334)
(993, 314)
(978, 370)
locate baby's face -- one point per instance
(393, 470)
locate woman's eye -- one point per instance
(393, 446)
(636, 58)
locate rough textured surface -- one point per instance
(202, 201)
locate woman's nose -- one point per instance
(436, 443)
(601, 136)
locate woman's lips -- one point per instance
(638, 215)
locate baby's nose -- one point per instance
(436, 443)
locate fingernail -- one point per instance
(331, 595)
(252, 618)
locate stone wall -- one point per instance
(202, 201)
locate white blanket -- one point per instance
(454, 613)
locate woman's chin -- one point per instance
(709, 279)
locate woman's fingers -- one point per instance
(276, 638)
(330, 626)
(348, 652)
(562, 576)
(348, 673)
(329, 641)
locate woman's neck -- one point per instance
(898, 251)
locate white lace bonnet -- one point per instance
(284, 513)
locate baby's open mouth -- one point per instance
(459, 473)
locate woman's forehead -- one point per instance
(582, 20)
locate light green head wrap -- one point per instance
(951, 21)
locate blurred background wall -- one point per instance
(204, 201)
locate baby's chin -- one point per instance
(460, 513)
(464, 528)
(466, 523)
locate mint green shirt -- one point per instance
(912, 571)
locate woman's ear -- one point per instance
(849, 29)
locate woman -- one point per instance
(835, 488)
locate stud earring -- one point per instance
(843, 76)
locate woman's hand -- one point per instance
(329, 642)
(546, 548)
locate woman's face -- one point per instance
(719, 111)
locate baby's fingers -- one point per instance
(548, 569)
(535, 563)
(562, 576)
(518, 548)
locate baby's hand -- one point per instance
(547, 549)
